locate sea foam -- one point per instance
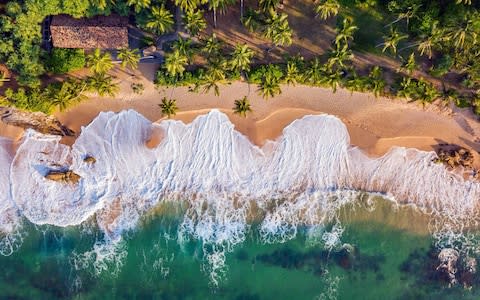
(299, 179)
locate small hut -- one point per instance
(104, 32)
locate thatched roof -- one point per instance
(104, 32)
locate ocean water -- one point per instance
(207, 215)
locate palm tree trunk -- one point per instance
(241, 10)
(214, 18)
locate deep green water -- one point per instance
(390, 256)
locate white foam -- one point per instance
(300, 179)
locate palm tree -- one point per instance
(241, 58)
(292, 73)
(184, 46)
(169, 107)
(218, 5)
(426, 45)
(409, 65)
(99, 63)
(102, 84)
(70, 92)
(212, 46)
(278, 30)
(242, 107)
(355, 83)
(270, 84)
(345, 33)
(187, 5)
(160, 20)
(338, 57)
(129, 58)
(211, 82)
(333, 80)
(175, 63)
(315, 73)
(391, 41)
(139, 4)
(327, 8)
(268, 5)
(194, 21)
(376, 83)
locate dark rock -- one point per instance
(63, 176)
(35, 120)
(90, 160)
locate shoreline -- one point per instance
(375, 125)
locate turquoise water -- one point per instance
(384, 253)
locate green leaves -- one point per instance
(169, 107)
(242, 107)
(241, 58)
(278, 30)
(129, 58)
(175, 63)
(98, 62)
(327, 8)
(160, 20)
(194, 21)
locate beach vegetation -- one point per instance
(159, 20)
(62, 61)
(242, 107)
(169, 107)
(129, 58)
(241, 58)
(102, 84)
(175, 63)
(98, 62)
(194, 21)
(327, 8)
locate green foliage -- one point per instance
(278, 30)
(102, 84)
(443, 66)
(159, 20)
(194, 21)
(169, 107)
(242, 107)
(98, 62)
(129, 58)
(241, 58)
(417, 90)
(65, 60)
(327, 8)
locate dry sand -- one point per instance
(375, 125)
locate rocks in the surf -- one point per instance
(448, 258)
(89, 159)
(455, 156)
(35, 120)
(63, 176)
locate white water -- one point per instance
(302, 178)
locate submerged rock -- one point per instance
(63, 176)
(35, 120)
(90, 159)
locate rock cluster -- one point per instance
(35, 120)
(459, 157)
(63, 176)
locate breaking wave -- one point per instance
(225, 182)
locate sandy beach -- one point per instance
(375, 124)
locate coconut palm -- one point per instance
(242, 107)
(338, 57)
(465, 35)
(409, 65)
(292, 74)
(216, 5)
(376, 83)
(355, 83)
(194, 21)
(129, 58)
(69, 93)
(175, 63)
(211, 82)
(102, 84)
(99, 63)
(241, 58)
(425, 46)
(315, 73)
(160, 20)
(270, 87)
(345, 33)
(138, 4)
(278, 30)
(212, 46)
(184, 46)
(327, 8)
(333, 80)
(268, 5)
(169, 107)
(391, 41)
(188, 5)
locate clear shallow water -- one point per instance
(384, 253)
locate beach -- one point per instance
(374, 124)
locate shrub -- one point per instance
(65, 60)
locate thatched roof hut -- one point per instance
(104, 32)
